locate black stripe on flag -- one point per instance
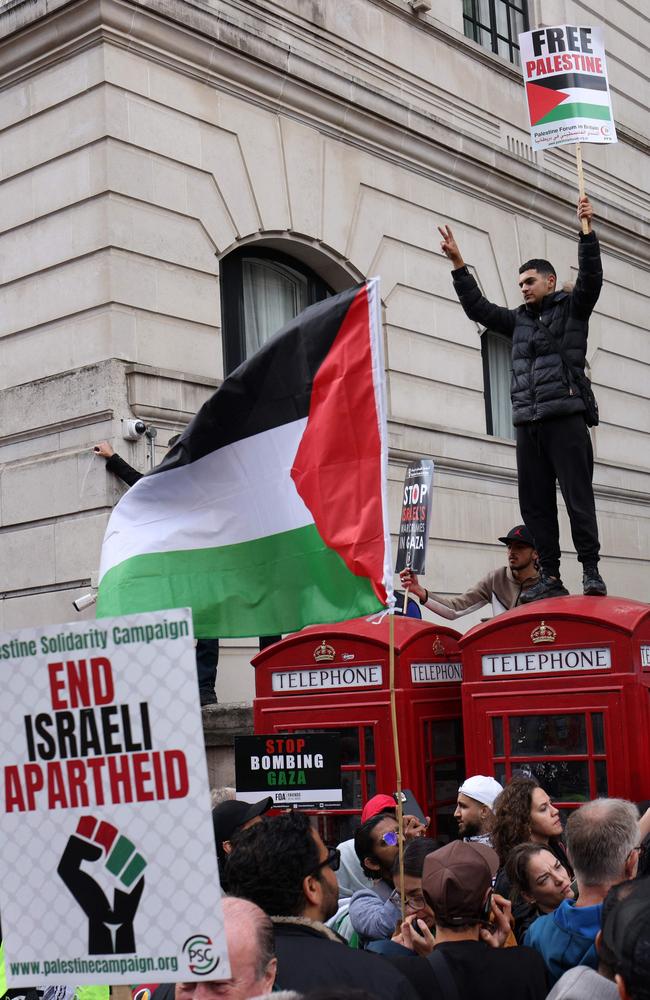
(561, 81)
(270, 389)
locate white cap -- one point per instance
(482, 788)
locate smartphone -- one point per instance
(415, 926)
(410, 805)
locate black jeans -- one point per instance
(549, 450)
(207, 658)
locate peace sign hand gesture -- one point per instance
(449, 246)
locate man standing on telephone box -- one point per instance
(549, 400)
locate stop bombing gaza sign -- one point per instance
(567, 93)
(108, 870)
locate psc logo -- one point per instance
(200, 957)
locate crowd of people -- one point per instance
(516, 907)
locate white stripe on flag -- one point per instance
(239, 493)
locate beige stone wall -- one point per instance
(141, 142)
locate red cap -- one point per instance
(377, 804)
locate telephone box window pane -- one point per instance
(497, 735)
(445, 824)
(548, 735)
(564, 780)
(349, 745)
(447, 737)
(369, 740)
(334, 829)
(371, 783)
(500, 773)
(351, 784)
(448, 776)
(601, 778)
(598, 732)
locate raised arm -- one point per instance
(590, 269)
(474, 304)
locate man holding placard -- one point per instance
(549, 409)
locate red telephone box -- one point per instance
(336, 678)
(561, 689)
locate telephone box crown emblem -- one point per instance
(324, 653)
(543, 633)
(438, 648)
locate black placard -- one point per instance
(414, 522)
(297, 769)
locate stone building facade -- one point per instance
(148, 147)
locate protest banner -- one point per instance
(567, 92)
(297, 769)
(108, 871)
(414, 520)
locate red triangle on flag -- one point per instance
(541, 100)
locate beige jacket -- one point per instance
(499, 588)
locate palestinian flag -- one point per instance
(270, 512)
(566, 96)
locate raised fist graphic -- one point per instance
(110, 925)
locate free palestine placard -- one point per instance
(566, 86)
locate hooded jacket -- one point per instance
(542, 386)
(566, 937)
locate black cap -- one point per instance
(230, 815)
(519, 533)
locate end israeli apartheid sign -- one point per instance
(566, 86)
(108, 870)
(414, 522)
(297, 769)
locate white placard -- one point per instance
(645, 656)
(548, 661)
(108, 871)
(567, 93)
(436, 673)
(318, 678)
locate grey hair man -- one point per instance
(602, 839)
(253, 965)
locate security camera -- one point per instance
(133, 429)
(86, 601)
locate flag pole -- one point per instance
(398, 765)
(581, 183)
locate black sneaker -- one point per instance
(593, 584)
(546, 586)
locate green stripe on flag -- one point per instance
(564, 111)
(283, 582)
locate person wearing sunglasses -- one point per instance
(283, 866)
(373, 914)
(415, 905)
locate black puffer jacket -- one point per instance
(541, 385)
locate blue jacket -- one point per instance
(566, 937)
(372, 914)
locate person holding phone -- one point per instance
(466, 957)
(373, 912)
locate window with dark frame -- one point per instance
(496, 352)
(261, 290)
(495, 25)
